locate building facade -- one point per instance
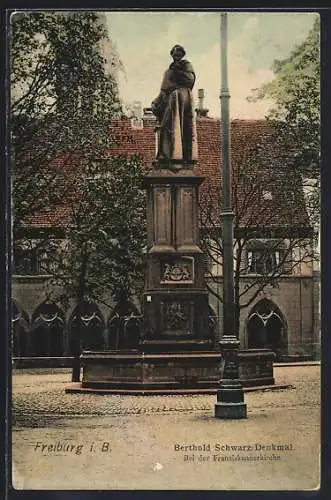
(283, 314)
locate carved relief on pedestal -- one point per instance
(176, 316)
(179, 271)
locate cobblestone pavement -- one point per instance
(43, 395)
(129, 442)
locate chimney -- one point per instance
(136, 114)
(201, 111)
(148, 113)
(148, 117)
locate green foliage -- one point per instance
(103, 250)
(61, 102)
(295, 91)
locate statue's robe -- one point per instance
(174, 109)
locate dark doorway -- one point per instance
(47, 332)
(20, 329)
(256, 332)
(266, 328)
(124, 326)
(274, 333)
(86, 331)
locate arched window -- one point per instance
(20, 331)
(266, 327)
(86, 328)
(47, 330)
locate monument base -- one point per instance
(256, 367)
(151, 372)
(135, 372)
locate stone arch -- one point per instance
(124, 308)
(86, 328)
(123, 326)
(47, 330)
(266, 327)
(20, 331)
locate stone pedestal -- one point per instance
(187, 368)
(177, 351)
(256, 367)
(175, 299)
(141, 373)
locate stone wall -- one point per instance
(297, 298)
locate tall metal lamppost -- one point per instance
(230, 396)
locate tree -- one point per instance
(101, 254)
(295, 91)
(272, 232)
(62, 101)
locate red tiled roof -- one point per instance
(245, 136)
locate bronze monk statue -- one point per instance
(173, 107)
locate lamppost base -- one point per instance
(230, 410)
(230, 396)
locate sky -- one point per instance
(144, 40)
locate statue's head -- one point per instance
(177, 52)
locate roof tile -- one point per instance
(245, 136)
